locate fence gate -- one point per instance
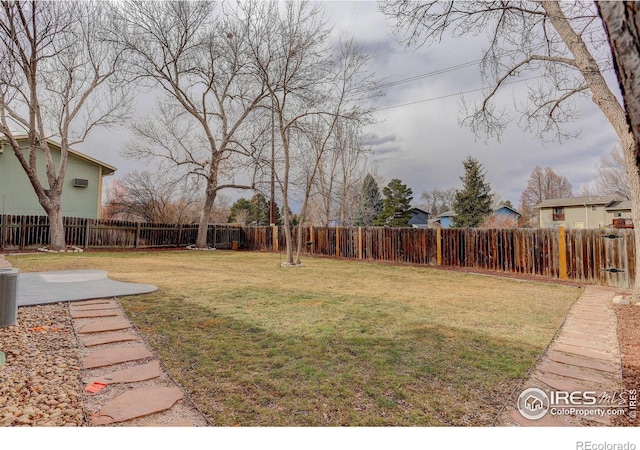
(617, 265)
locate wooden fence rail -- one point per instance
(29, 232)
(602, 256)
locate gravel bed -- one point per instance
(40, 382)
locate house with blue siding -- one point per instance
(81, 193)
(419, 218)
(503, 216)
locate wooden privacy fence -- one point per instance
(25, 232)
(599, 256)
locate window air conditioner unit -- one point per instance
(79, 182)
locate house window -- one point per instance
(558, 214)
(594, 208)
(617, 214)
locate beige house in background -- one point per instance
(596, 211)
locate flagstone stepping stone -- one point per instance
(546, 421)
(590, 363)
(137, 403)
(132, 374)
(94, 313)
(93, 307)
(109, 356)
(581, 351)
(564, 370)
(560, 384)
(112, 338)
(105, 325)
(602, 346)
(100, 301)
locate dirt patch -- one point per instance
(629, 336)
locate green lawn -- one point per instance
(332, 342)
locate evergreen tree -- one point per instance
(396, 210)
(473, 203)
(370, 204)
(253, 212)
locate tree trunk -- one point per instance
(609, 105)
(622, 24)
(56, 229)
(205, 214)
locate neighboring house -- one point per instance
(619, 214)
(506, 217)
(502, 216)
(445, 220)
(81, 194)
(595, 211)
(419, 218)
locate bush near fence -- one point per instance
(602, 256)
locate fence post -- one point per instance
(87, 230)
(275, 238)
(562, 250)
(337, 242)
(359, 242)
(137, 239)
(179, 235)
(439, 245)
(3, 230)
(23, 227)
(312, 240)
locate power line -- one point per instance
(427, 74)
(454, 94)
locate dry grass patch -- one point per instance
(332, 342)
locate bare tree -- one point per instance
(308, 89)
(438, 201)
(543, 184)
(198, 56)
(562, 44)
(611, 175)
(57, 81)
(337, 186)
(153, 197)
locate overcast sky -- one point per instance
(423, 143)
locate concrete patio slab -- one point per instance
(39, 288)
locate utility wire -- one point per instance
(426, 75)
(455, 94)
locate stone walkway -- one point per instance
(125, 383)
(584, 356)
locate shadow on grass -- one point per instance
(240, 373)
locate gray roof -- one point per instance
(579, 201)
(449, 213)
(619, 206)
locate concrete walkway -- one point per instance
(584, 356)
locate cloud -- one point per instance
(373, 139)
